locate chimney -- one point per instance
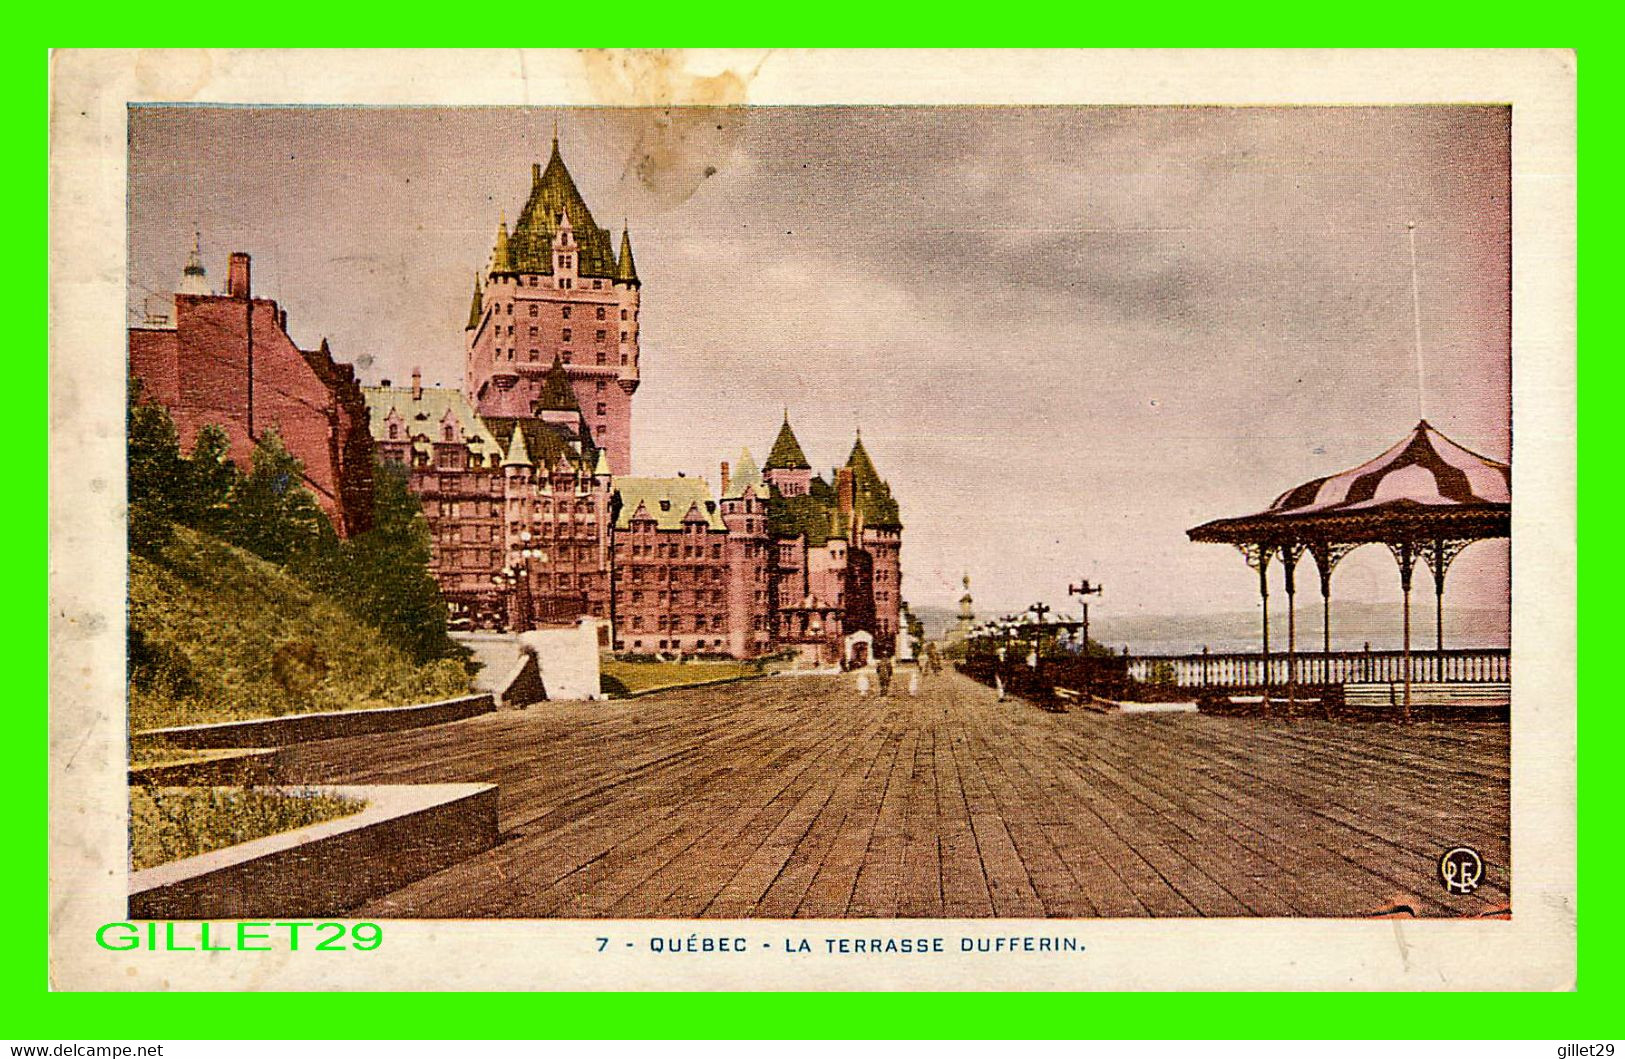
(725, 479)
(237, 276)
(843, 491)
(282, 319)
(384, 383)
(417, 385)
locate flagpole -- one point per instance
(1416, 321)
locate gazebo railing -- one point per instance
(1246, 669)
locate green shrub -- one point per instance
(171, 823)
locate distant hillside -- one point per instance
(218, 634)
(1353, 625)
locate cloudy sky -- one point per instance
(1068, 334)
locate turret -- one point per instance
(501, 260)
(477, 309)
(518, 455)
(626, 269)
(787, 467)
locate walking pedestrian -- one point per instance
(883, 674)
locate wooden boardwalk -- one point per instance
(793, 797)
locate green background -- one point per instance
(37, 1014)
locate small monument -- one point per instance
(967, 615)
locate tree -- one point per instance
(382, 576)
(210, 479)
(270, 513)
(154, 467)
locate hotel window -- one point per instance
(600, 312)
(599, 336)
(603, 409)
(597, 284)
(623, 314)
(533, 329)
(623, 336)
(533, 311)
(567, 356)
(601, 358)
(566, 334)
(623, 358)
(567, 312)
(533, 283)
(600, 430)
(599, 386)
(395, 428)
(535, 354)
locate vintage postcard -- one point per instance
(812, 520)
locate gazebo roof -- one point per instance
(1424, 486)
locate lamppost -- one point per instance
(1083, 592)
(1039, 610)
(515, 581)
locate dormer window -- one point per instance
(665, 505)
(394, 431)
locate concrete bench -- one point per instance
(1392, 693)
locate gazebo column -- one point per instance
(1290, 554)
(1327, 556)
(1257, 555)
(1406, 554)
(1439, 555)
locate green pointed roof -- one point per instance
(871, 494)
(502, 254)
(626, 270)
(745, 474)
(518, 454)
(477, 309)
(553, 192)
(546, 444)
(786, 454)
(557, 393)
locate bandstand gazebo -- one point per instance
(1425, 498)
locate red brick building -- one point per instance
(517, 506)
(556, 290)
(227, 359)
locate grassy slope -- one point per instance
(171, 823)
(647, 676)
(215, 618)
